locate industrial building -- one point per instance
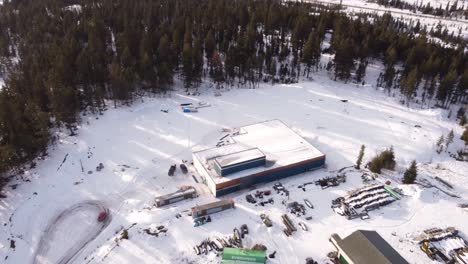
(211, 208)
(186, 192)
(255, 153)
(239, 255)
(365, 247)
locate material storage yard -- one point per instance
(292, 217)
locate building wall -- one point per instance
(202, 171)
(271, 175)
(342, 256)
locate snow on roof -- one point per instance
(239, 157)
(279, 143)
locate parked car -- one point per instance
(102, 216)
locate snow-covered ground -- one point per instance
(138, 144)
(454, 25)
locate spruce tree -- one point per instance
(464, 136)
(410, 174)
(449, 139)
(360, 156)
(440, 144)
(462, 120)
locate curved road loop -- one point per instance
(40, 256)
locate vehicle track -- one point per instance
(40, 255)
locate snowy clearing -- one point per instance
(138, 144)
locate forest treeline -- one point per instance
(59, 60)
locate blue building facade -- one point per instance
(272, 175)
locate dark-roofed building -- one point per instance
(365, 247)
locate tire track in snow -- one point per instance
(40, 255)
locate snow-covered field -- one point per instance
(138, 144)
(455, 25)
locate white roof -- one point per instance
(239, 157)
(280, 145)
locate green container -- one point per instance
(241, 256)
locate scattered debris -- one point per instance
(295, 208)
(155, 231)
(195, 178)
(269, 201)
(259, 194)
(366, 177)
(279, 188)
(12, 244)
(445, 245)
(202, 220)
(272, 255)
(302, 186)
(311, 261)
(64, 159)
(331, 181)
(344, 100)
(100, 167)
(259, 247)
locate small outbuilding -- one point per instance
(211, 208)
(365, 247)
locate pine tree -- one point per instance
(344, 60)
(218, 71)
(187, 64)
(411, 173)
(409, 84)
(446, 87)
(311, 53)
(384, 160)
(464, 136)
(360, 156)
(440, 144)
(449, 139)
(210, 44)
(462, 120)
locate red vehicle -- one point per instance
(102, 216)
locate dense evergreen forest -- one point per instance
(60, 61)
